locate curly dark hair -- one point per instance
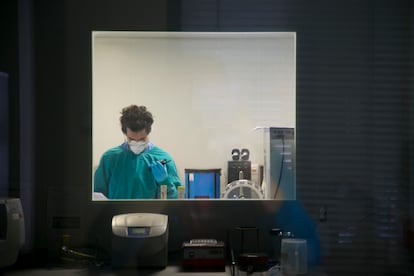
(136, 118)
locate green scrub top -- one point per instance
(122, 174)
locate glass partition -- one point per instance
(211, 94)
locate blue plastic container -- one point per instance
(202, 183)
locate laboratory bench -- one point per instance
(169, 270)
(174, 267)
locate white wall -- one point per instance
(207, 91)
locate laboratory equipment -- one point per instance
(294, 256)
(235, 167)
(279, 163)
(204, 253)
(257, 174)
(249, 259)
(235, 154)
(245, 154)
(12, 232)
(202, 183)
(278, 234)
(243, 189)
(139, 240)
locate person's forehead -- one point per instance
(136, 135)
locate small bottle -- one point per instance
(163, 193)
(181, 191)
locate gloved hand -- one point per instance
(159, 171)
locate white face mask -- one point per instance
(137, 146)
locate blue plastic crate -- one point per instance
(202, 183)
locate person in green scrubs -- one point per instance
(137, 168)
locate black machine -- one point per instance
(239, 163)
(234, 169)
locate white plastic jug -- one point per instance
(294, 256)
